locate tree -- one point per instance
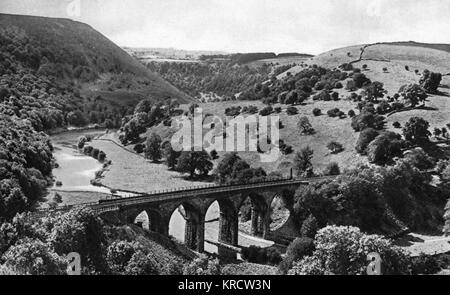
(153, 147)
(367, 120)
(297, 249)
(384, 147)
(413, 94)
(343, 250)
(374, 91)
(416, 130)
(170, 155)
(317, 112)
(34, 257)
(119, 253)
(192, 161)
(305, 126)
(430, 81)
(302, 160)
(365, 138)
(309, 227)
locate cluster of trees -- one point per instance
(342, 250)
(233, 169)
(38, 246)
(146, 114)
(375, 199)
(26, 164)
(295, 89)
(224, 78)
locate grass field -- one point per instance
(327, 129)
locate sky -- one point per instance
(306, 26)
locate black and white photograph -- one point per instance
(201, 140)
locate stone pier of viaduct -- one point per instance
(160, 206)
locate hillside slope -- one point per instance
(75, 52)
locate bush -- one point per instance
(101, 156)
(34, 257)
(397, 124)
(384, 147)
(94, 153)
(305, 126)
(416, 130)
(266, 111)
(335, 96)
(88, 150)
(334, 113)
(335, 147)
(309, 228)
(291, 111)
(367, 120)
(297, 249)
(139, 148)
(342, 250)
(317, 112)
(365, 138)
(332, 169)
(351, 113)
(260, 255)
(425, 265)
(430, 81)
(203, 266)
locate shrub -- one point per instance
(266, 111)
(34, 257)
(309, 228)
(291, 111)
(384, 147)
(425, 264)
(397, 124)
(277, 110)
(297, 249)
(334, 113)
(87, 150)
(317, 112)
(344, 250)
(214, 155)
(332, 169)
(335, 96)
(335, 147)
(94, 153)
(81, 141)
(302, 161)
(305, 126)
(260, 255)
(416, 130)
(430, 81)
(367, 120)
(101, 156)
(351, 113)
(139, 148)
(365, 138)
(203, 266)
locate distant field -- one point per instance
(281, 61)
(132, 172)
(327, 129)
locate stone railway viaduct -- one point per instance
(160, 206)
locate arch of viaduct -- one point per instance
(196, 202)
